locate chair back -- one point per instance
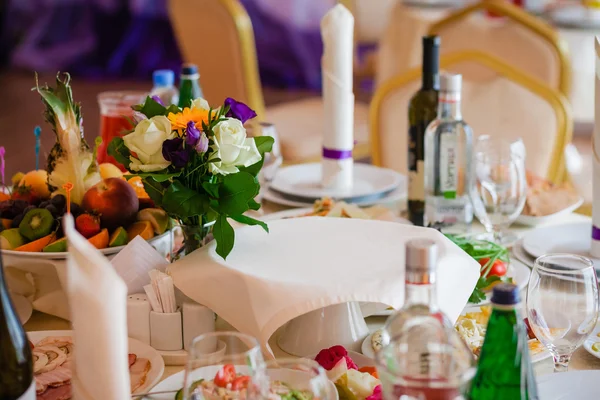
(217, 36)
(512, 104)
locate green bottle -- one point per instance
(422, 110)
(189, 87)
(504, 371)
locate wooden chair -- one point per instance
(512, 104)
(217, 35)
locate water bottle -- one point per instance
(164, 86)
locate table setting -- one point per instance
(218, 271)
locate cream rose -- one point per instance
(146, 142)
(232, 147)
(200, 103)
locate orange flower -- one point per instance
(180, 120)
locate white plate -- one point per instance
(575, 16)
(304, 181)
(520, 254)
(534, 221)
(175, 382)
(23, 307)
(366, 347)
(391, 197)
(572, 385)
(157, 366)
(589, 342)
(298, 212)
(574, 238)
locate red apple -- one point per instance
(114, 200)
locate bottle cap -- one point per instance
(506, 294)
(189, 69)
(421, 256)
(163, 77)
(451, 83)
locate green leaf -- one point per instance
(184, 202)
(117, 149)
(159, 176)
(253, 205)
(211, 188)
(253, 169)
(154, 189)
(264, 144)
(244, 219)
(150, 108)
(172, 109)
(224, 235)
(235, 192)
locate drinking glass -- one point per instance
(273, 159)
(499, 189)
(217, 355)
(300, 374)
(562, 304)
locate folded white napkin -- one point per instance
(337, 31)
(97, 297)
(595, 247)
(304, 264)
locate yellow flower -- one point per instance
(180, 120)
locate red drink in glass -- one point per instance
(115, 116)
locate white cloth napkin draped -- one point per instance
(337, 31)
(97, 296)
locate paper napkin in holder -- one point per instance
(97, 297)
(595, 247)
(337, 31)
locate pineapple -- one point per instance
(70, 159)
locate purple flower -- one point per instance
(158, 100)
(138, 117)
(239, 110)
(174, 152)
(192, 134)
(202, 145)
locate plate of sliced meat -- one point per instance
(52, 363)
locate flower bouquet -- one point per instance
(197, 164)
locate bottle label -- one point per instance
(29, 393)
(444, 213)
(448, 165)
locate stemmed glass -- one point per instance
(499, 189)
(562, 304)
(225, 355)
(300, 375)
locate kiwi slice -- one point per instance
(36, 224)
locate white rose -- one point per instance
(232, 147)
(146, 142)
(200, 103)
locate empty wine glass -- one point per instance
(562, 304)
(499, 189)
(225, 363)
(299, 375)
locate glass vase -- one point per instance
(194, 237)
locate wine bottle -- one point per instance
(16, 364)
(189, 87)
(422, 109)
(504, 349)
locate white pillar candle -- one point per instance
(595, 248)
(337, 31)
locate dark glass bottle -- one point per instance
(189, 86)
(16, 364)
(504, 371)
(422, 109)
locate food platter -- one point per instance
(592, 343)
(141, 350)
(530, 220)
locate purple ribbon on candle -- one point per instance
(336, 154)
(595, 232)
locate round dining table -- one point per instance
(581, 360)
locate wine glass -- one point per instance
(300, 375)
(225, 362)
(499, 189)
(562, 304)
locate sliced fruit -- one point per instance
(118, 237)
(108, 170)
(157, 217)
(100, 241)
(37, 245)
(4, 196)
(37, 180)
(6, 223)
(138, 187)
(146, 203)
(36, 224)
(141, 228)
(16, 178)
(25, 193)
(11, 239)
(58, 246)
(88, 225)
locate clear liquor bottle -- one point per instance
(448, 163)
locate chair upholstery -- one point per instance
(229, 68)
(510, 104)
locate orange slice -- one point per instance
(141, 228)
(4, 196)
(138, 187)
(100, 240)
(37, 245)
